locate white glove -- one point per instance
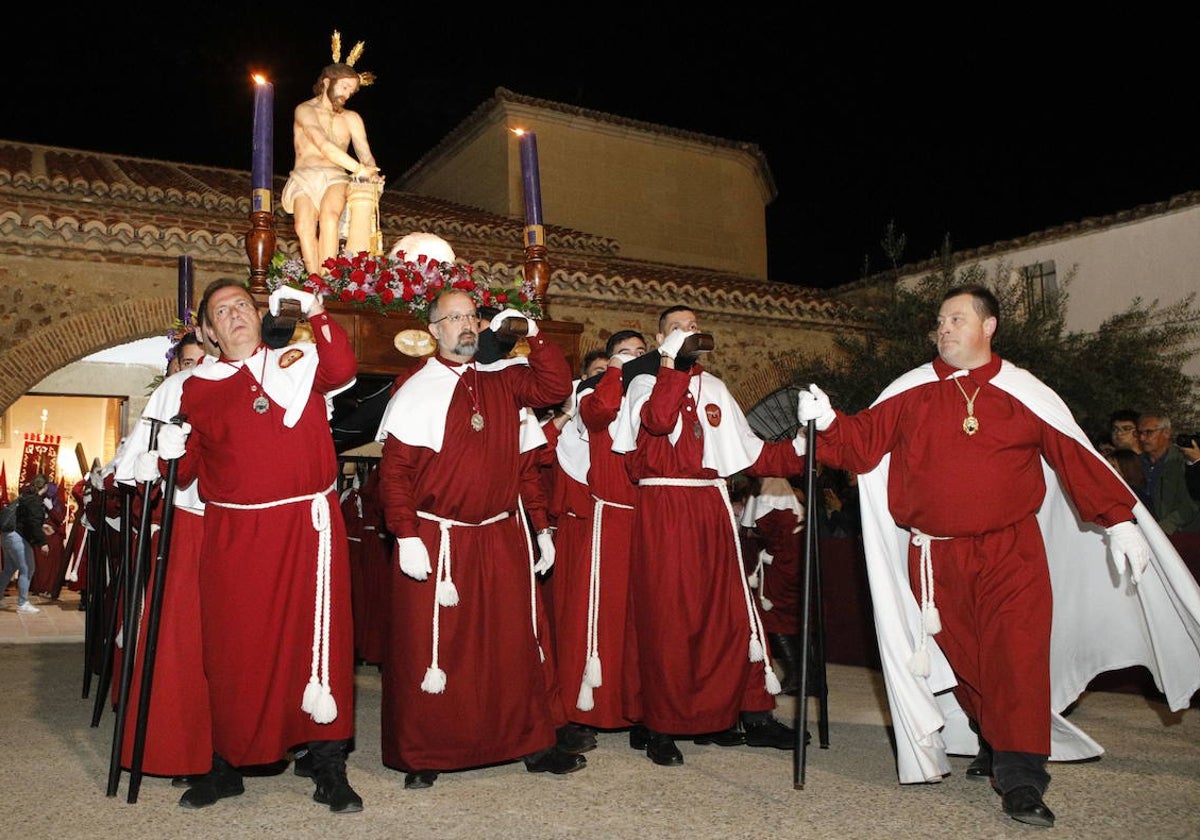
(172, 440)
(96, 480)
(305, 299)
(414, 558)
(814, 405)
(672, 343)
(1129, 548)
(499, 320)
(546, 549)
(146, 467)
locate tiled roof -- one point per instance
(75, 204)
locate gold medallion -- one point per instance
(477, 421)
(261, 404)
(970, 425)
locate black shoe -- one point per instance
(420, 779)
(334, 790)
(222, 782)
(184, 781)
(763, 730)
(554, 760)
(575, 739)
(639, 736)
(662, 751)
(303, 765)
(731, 737)
(980, 766)
(1024, 804)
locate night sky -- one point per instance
(980, 133)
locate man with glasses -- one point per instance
(1166, 476)
(1123, 430)
(464, 682)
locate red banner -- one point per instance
(39, 456)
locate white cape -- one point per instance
(1101, 621)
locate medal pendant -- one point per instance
(970, 425)
(261, 404)
(477, 421)
(696, 430)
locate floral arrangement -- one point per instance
(393, 283)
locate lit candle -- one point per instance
(531, 181)
(264, 138)
(185, 287)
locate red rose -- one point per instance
(408, 293)
(358, 276)
(345, 296)
(387, 296)
(502, 297)
(360, 296)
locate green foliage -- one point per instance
(1134, 360)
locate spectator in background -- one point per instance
(19, 544)
(1166, 483)
(1129, 464)
(1122, 430)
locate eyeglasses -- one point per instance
(1144, 432)
(458, 318)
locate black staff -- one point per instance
(133, 612)
(96, 560)
(153, 614)
(808, 641)
(119, 601)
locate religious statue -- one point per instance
(323, 129)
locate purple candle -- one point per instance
(185, 287)
(530, 178)
(264, 138)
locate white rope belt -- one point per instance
(318, 699)
(593, 673)
(758, 651)
(931, 621)
(445, 593)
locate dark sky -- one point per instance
(981, 133)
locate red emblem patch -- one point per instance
(290, 358)
(713, 412)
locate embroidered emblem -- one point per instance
(713, 412)
(290, 358)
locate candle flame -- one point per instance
(518, 131)
(259, 79)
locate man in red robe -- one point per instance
(464, 684)
(596, 668)
(280, 669)
(963, 443)
(701, 643)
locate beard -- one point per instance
(467, 345)
(338, 103)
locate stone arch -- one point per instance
(69, 339)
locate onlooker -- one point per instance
(1166, 484)
(1129, 464)
(26, 535)
(1122, 430)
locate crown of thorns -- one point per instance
(356, 52)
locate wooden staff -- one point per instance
(153, 615)
(133, 620)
